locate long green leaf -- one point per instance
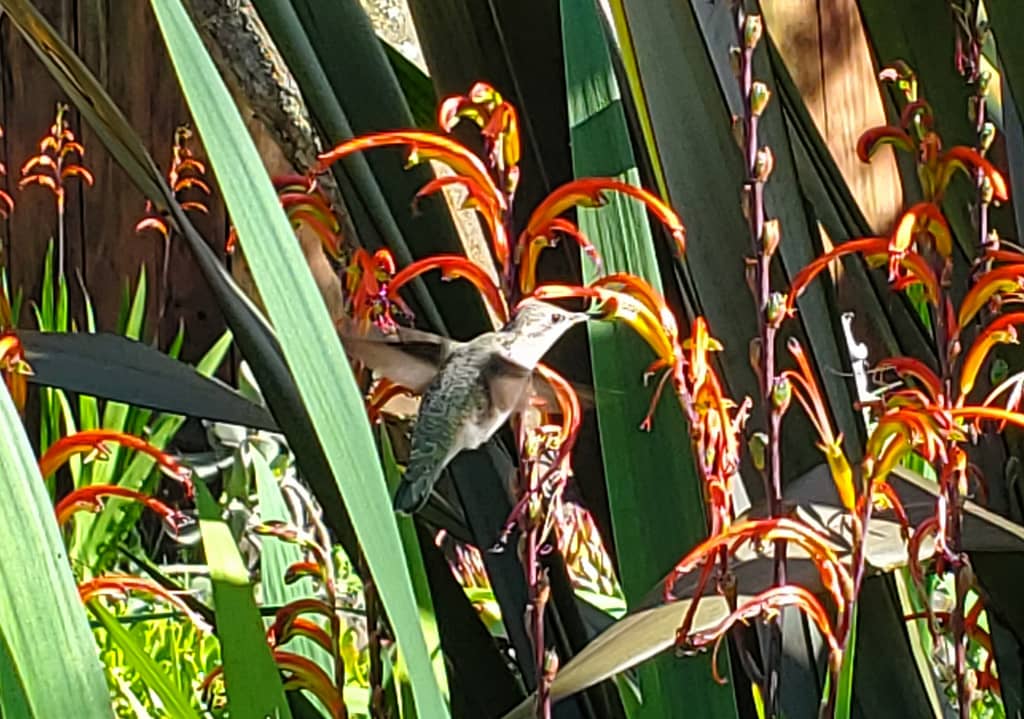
(112, 367)
(48, 643)
(307, 337)
(251, 677)
(417, 568)
(653, 489)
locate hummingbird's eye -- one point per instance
(557, 317)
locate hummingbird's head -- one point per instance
(536, 326)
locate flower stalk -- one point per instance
(774, 390)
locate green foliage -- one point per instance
(300, 319)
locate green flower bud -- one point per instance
(753, 28)
(782, 393)
(759, 97)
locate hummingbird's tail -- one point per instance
(412, 495)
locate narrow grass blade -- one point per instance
(307, 338)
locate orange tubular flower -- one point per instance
(652, 299)
(590, 192)
(90, 499)
(301, 673)
(423, 146)
(766, 604)
(452, 267)
(1000, 281)
(979, 413)
(287, 628)
(548, 237)
(476, 199)
(95, 444)
(625, 307)
(806, 390)
(925, 220)
(568, 403)
(834, 575)
(917, 370)
(384, 390)
(366, 279)
(876, 252)
(14, 368)
(999, 331)
(121, 585)
(498, 123)
(6, 201)
(876, 137)
(301, 569)
(971, 162)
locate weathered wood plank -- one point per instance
(29, 102)
(123, 42)
(826, 51)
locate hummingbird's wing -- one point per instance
(508, 383)
(408, 357)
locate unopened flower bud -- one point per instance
(987, 192)
(759, 97)
(782, 393)
(941, 600)
(999, 371)
(984, 80)
(753, 28)
(758, 447)
(750, 274)
(745, 203)
(754, 354)
(550, 665)
(736, 61)
(764, 163)
(986, 136)
(770, 234)
(776, 310)
(738, 132)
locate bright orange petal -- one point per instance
(1002, 280)
(452, 267)
(424, 146)
(970, 161)
(590, 192)
(95, 442)
(874, 138)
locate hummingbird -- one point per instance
(469, 389)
